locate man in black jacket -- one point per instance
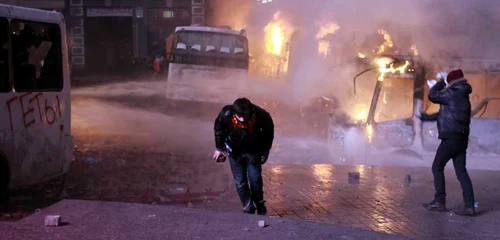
(244, 132)
(453, 120)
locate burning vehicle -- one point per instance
(389, 133)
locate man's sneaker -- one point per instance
(249, 208)
(435, 205)
(261, 208)
(466, 211)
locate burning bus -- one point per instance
(206, 64)
(389, 133)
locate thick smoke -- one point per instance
(446, 30)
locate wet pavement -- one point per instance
(109, 220)
(384, 199)
(132, 146)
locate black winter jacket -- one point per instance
(259, 142)
(454, 116)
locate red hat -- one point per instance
(454, 75)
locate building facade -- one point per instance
(104, 34)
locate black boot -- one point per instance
(249, 208)
(261, 208)
(466, 211)
(435, 205)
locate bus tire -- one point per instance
(4, 183)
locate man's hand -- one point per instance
(217, 155)
(264, 157)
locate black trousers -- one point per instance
(247, 171)
(456, 150)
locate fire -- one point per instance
(329, 28)
(369, 132)
(414, 49)
(361, 116)
(387, 41)
(323, 48)
(274, 59)
(277, 32)
(325, 29)
(277, 40)
(383, 69)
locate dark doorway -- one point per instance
(157, 37)
(109, 44)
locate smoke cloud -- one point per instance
(447, 29)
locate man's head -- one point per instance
(243, 109)
(454, 75)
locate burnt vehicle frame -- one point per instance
(408, 141)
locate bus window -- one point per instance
(4, 55)
(37, 56)
(395, 100)
(227, 44)
(239, 45)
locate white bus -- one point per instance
(206, 64)
(35, 108)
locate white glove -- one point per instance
(431, 83)
(442, 75)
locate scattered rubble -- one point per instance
(52, 220)
(262, 223)
(354, 177)
(408, 179)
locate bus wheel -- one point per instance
(4, 184)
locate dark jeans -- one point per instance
(245, 171)
(456, 150)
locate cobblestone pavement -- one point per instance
(140, 151)
(383, 200)
(111, 220)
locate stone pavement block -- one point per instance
(52, 220)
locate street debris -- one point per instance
(353, 177)
(52, 220)
(190, 205)
(408, 179)
(247, 229)
(262, 223)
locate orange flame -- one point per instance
(277, 32)
(383, 69)
(325, 29)
(387, 41)
(414, 49)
